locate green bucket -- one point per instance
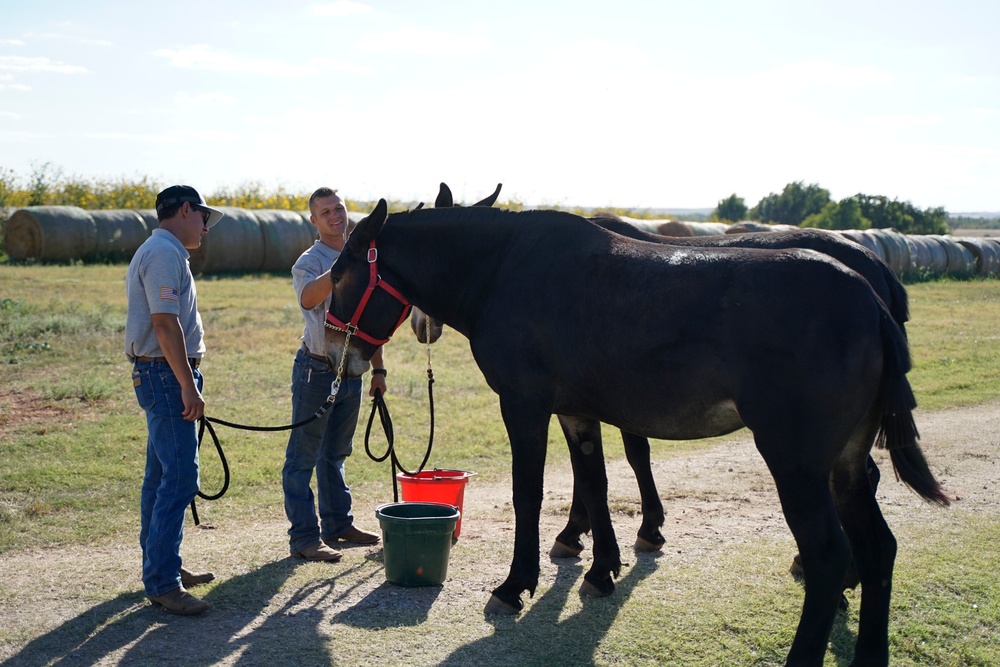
(416, 539)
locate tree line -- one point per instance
(811, 206)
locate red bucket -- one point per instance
(436, 486)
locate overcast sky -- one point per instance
(624, 103)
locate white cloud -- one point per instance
(12, 42)
(39, 64)
(180, 137)
(10, 114)
(330, 64)
(203, 57)
(983, 111)
(409, 41)
(820, 73)
(68, 38)
(14, 86)
(339, 9)
(6, 135)
(205, 98)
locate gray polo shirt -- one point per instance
(311, 264)
(159, 280)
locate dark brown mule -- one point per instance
(789, 343)
(854, 256)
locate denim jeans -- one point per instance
(323, 444)
(171, 478)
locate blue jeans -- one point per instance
(323, 444)
(171, 478)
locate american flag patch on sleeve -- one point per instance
(168, 294)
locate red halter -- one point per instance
(374, 280)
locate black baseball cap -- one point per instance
(176, 195)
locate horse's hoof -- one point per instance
(642, 544)
(560, 550)
(496, 606)
(590, 590)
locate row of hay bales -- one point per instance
(909, 256)
(270, 240)
(244, 240)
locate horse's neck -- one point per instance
(447, 271)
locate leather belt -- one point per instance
(318, 357)
(194, 361)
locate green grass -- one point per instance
(955, 342)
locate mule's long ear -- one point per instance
(492, 199)
(444, 198)
(368, 229)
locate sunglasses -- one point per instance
(205, 215)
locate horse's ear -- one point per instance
(368, 229)
(419, 206)
(492, 199)
(444, 198)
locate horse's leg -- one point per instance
(807, 502)
(590, 484)
(851, 579)
(527, 428)
(649, 537)
(568, 544)
(874, 549)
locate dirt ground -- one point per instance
(83, 605)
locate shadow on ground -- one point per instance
(526, 639)
(239, 629)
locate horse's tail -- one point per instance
(898, 432)
(900, 301)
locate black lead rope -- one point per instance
(206, 423)
(379, 406)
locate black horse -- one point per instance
(585, 434)
(563, 315)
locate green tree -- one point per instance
(902, 216)
(731, 209)
(845, 214)
(795, 203)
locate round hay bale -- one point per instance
(986, 253)
(648, 226)
(119, 233)
(961, 263)
(679, 228)
(286, 236)
(149, 216)
(927, 256)
(867, 240)
(51, 234)
(897, 252)
(234, 245)
(753, 226)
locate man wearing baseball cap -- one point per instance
(164, 340)
(176, 195)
